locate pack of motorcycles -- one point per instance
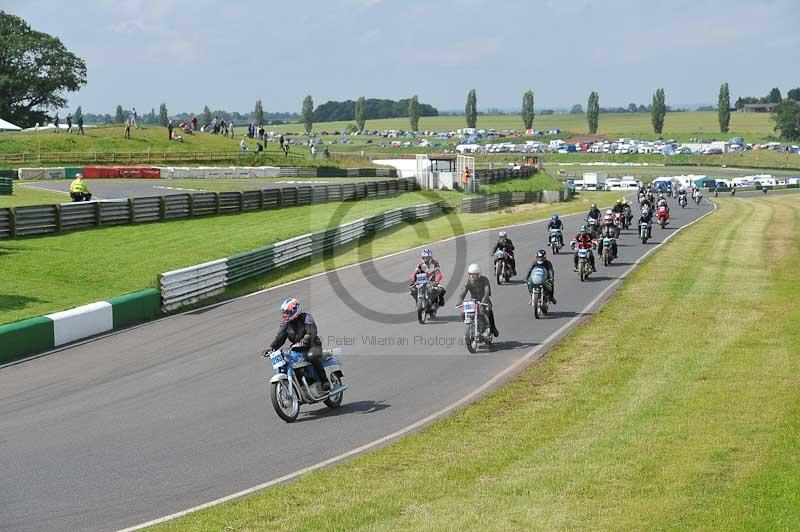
(295, 382)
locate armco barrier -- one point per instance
(495, 201)
(34, 335)
(6, 185)
(190, 285)
(121, 172)
(48, 219)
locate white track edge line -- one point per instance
(449, 408)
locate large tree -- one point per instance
(774, 96)
(787, 120)
(527, 109)
(361, 113)
(413, 113)
(258, 115)
(119, 115)
(206, 115)
(471, 109)
(35, 72)
(593, 112)
(724, 108)
(658, 111)
(163, 117)
(793, 94)
(307, 114)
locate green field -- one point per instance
(676, 407)
(26, 196)
(679, 126)
(58, 272)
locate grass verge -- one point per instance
(27, 196)
(677, 406)
(59, 272)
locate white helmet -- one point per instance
(474, 268)
(502, 234)
(609, 212)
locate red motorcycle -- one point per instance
(662, 215)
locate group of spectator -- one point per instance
(218, 126)
(79, 122)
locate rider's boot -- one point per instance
(441, 296)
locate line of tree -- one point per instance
(658, 110)
(374, 109)
(593, 112)
(774, 96)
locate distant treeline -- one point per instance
(374, 109)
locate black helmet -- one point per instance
(541, 255)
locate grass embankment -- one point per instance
(675, 407)
(59, 272)
(539, 181)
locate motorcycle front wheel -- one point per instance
(284, 401)
(421, 315)
(537, 311)
(335, 401)
(470, 339)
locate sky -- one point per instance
(228, 54)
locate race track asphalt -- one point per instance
(159, 418)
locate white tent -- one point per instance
(8, 126)
(47, 127)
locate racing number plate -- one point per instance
(277, 361)
(422, 278)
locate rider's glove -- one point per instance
(267, 353)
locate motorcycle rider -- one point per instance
(618, 208)
(627, 212)
(478, 287)
(646, 217)
(504, 243)
(430, 266)
(583, 240)
(556, 223)
(698, 196)
(541, 261)
(610, 230)
(594, 212)
(299, 328)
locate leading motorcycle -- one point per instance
(295, 382)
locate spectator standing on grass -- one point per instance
(56, 121)
(243, 143)
(313, 151)
(214, 127)
(194, 123)
(80, 125)
(135, 119)
(327, 153)
(169, 130)
(280, 140)
(128, 128)
(69, 123)
(231, 131)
